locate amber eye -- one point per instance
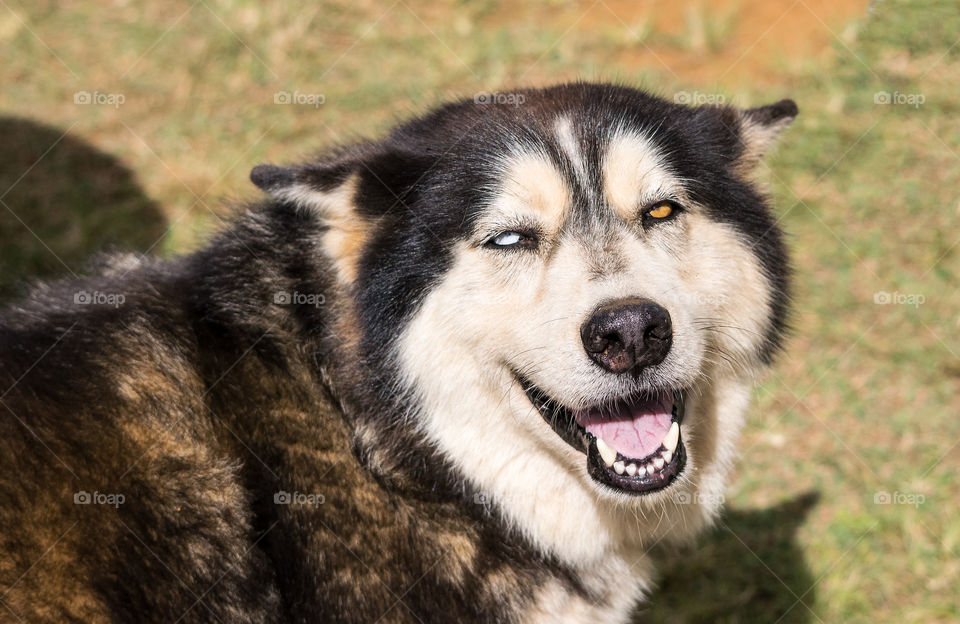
(661, 210)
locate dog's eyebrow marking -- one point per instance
(533, 183)
(634, 173)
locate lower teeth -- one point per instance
(667, 449)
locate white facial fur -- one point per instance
(497, 312)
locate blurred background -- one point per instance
(134, 124)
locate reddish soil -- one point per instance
(762, 41)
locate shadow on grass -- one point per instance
(62, 200)
(748, 569)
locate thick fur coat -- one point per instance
(325, 415)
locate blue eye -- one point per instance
(513, 239)
(507, 239)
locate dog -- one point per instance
(472, 371)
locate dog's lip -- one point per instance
(562, 420)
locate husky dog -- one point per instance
(472, 371)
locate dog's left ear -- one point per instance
(760, 128)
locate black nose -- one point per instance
(627, 335)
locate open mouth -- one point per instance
(633, 444)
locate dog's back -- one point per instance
(121, 494)
(172, 452)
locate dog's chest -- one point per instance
(615, 585)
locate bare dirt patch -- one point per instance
(728, 42)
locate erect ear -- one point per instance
(350, 193)
(760, 128)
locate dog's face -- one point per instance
(571, 294)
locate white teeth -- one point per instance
(670, 441)
(672, 437)
(606, 453)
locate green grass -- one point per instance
(866, 396)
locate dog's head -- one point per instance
(572, 290)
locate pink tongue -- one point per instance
(634, 430)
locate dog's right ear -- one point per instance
(303, 185)
(269, 177)
(349, 194)
(379, 177)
